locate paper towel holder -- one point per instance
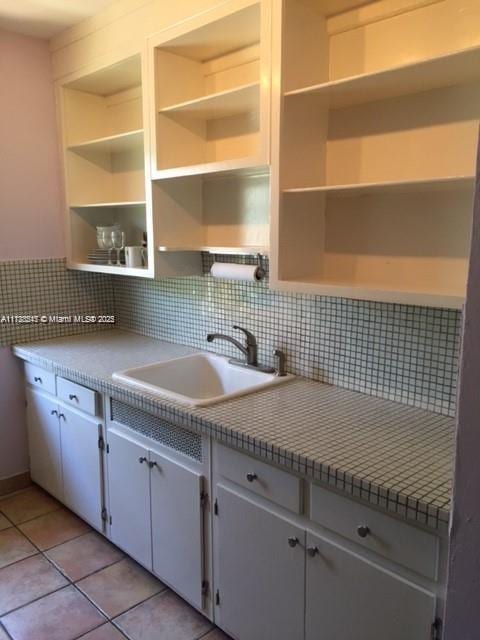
(260, 274)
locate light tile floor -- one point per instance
(60, 580)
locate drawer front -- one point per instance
(263, 479)
(78, 396)
(413, 548)
(40, 378)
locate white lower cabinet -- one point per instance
(156, 511)
(129, 497)
(177, 526)
(82, 465)
(279, 574)
(44, 442)
(348, 596)
(260, 573)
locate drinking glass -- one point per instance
(108, 244)
(118, 243)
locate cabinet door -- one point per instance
(129, 497)
(177, 526)
(44, 442)
(261, 571)
(82, 465)
(348, 596)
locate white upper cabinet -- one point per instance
(210, 110)
(102, 117)
(374, 135)
(338, 135)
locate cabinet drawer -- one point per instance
(78, 396)
(411, 547)
(261, 478)
(40, 378)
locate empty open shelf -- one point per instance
(451, 183)
(223, 104)
(118, 143)
(458, 68)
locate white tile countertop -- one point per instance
(392, 455)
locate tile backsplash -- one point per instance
(403, 353)
(46, 288)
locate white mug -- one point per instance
(135, 256)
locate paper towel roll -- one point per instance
(250, 272)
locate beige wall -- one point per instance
(30, 202)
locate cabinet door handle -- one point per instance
(312, 551)
(251, 476)
(37, 379)
(363, 531)
(72, 396)
(142, 459)
(293, 541)
(54, 412)
(152, 464)
(62, 416)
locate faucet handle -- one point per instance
(251, 340)
(279, 362)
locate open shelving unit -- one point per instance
(104, 161)
(219, 214)
(211, 109)
(210, 122)
(373, 153)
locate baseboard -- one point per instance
(15, 483)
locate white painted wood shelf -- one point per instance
(219, 105)
(119, 143)
(241, 250)
(119, 205)
(443, 184)
(239, 166)
(119, 270)
(458, 68)
(424, 296)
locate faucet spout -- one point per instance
(250, 350)
(220, 336)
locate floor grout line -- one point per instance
(4, 629)
(69, 582)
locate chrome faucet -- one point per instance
(250, 350)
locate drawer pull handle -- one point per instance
(152, 464)
(363, 531)
(251, 476)
(312, 551)
(293, 541)
(54, 412)
(142, 459)
(62, 416)
(72, 396)
(37, 379)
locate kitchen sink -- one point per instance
(198, 380)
